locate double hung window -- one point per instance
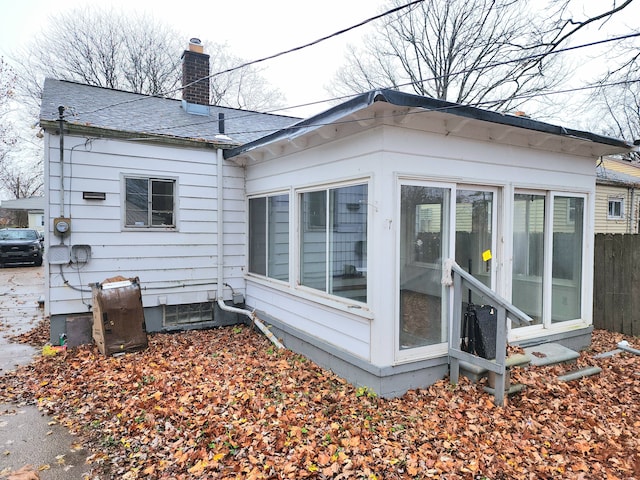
(149, 202)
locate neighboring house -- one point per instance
(617, 196)
(335, 229)
(33, 206)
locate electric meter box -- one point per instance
(118, 316)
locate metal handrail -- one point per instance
(505, 312)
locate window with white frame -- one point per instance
(616, 208)
(333, 241)
(149, 202)
(269, 236)
(548, 251)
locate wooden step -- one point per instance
(475, 372)
(515, 388)
(550, 354)
(579, 373)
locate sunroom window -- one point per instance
(333, 243)
(548, 240)
(269, 236)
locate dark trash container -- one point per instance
(118, 316)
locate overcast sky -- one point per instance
(252, 28)
(257, 28)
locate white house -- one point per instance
(334, 229)
(137, 187)
(34, 206)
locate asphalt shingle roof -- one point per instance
(618, 172)
(392, 97)
(122, 111)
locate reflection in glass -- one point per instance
(474, 216)
(334, 241)
(423, 239)
(528, 254)
(568, 219)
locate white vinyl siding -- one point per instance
(174, 264)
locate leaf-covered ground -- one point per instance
(225, 403)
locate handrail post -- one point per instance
(505, 310)
(455, 334)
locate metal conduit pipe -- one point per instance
(624, 345)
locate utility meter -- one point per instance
(61, 226)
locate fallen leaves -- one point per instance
(222, 403)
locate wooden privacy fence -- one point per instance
(616, 286)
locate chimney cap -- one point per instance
(195, 45)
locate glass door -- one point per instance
(424, 243)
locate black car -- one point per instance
(20, 245)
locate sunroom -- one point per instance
(353, 215)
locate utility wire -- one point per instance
(295, 49)
(449, 107)
(270, 57)
(246, 114)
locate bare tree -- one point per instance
(493, 53)
(115, 50)
(22, 179)
(7, 89)
(617, 93)
(239, 88)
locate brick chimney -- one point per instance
(195, 79)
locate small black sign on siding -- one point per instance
(94, 195)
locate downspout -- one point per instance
(632, 211)
(221, 283)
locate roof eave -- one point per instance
(101, 132)
(392, 97)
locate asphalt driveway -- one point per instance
(27, 436)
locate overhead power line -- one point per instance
(260, 60)
(340, 32)
(462, 72)
(301, 47)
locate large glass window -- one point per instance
(548, 256)
(333, 243)
(568, 219)
(269, 236)
(528, 253)
(149, 202)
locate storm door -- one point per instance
(424, 243)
